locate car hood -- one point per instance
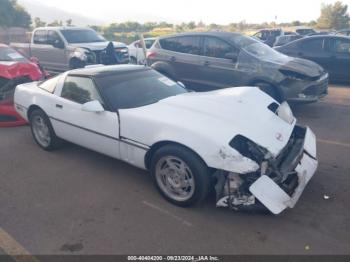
(298, 65)
(304, 67)
(98, 45)
(216, 116)
(12, 69)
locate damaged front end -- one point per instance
(279, 181)
(8, 115)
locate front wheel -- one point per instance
(42, 131)
(180, 175)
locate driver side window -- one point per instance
(214, 47)
(341, 46)
(80, 90)
(53, 37)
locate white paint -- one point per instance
(272, 196)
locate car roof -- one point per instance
(213, 33)
(71, 28)
(103, 71)
(324, 36)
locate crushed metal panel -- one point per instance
(310, 142)
(270, 194)
(305, 170)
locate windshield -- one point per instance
(263, 51)
(8, 54)
(136, 89)
(82, 36)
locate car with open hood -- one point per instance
(15, 69)
(239, 139)
(215, 60)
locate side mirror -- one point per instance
(58, 44)
(232, 56)
(93, 107)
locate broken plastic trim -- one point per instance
(234, 190)
(248, 148)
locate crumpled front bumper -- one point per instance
(272, 196)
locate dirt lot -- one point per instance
(74, 201)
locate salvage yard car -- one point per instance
(215, 60)
(63, 48)
(15, 69)
(239, 138)
(332, 52)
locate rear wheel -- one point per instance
(180, 175)
(42, 131)
(270, 90)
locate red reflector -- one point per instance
(151, 55)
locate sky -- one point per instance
(208, 11)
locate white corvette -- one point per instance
(239, 139)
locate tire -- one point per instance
(43, 134)
(270, 90)
(193, 179)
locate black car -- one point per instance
(268, 36)
(332, 52)
(214, 60)
(344, 32)
(285, 39)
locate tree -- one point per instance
(334, 16)
(13, 14)
(296, 23)
(69, 22)
(38, 22)
(56, 23)
(191, 25)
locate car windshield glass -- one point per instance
(263, 51)
(136, 89)
(8, 54)
(82, 36)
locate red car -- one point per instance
(15, 69)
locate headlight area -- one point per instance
(233, 190)
(84, 55)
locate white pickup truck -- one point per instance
(62, 48)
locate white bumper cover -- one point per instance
(272, 196)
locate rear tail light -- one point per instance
(151, 54)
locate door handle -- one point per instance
(206, 63)
(173, 59)
(59, 106)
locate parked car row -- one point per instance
(238, 140)
(145, 116)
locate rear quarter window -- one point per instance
(182, 44)
(50, 84)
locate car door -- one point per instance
(219, 64)
(315, 49)
(96, 131)
(340, 62)
(57, 58)
(182, 54)
(40, 47)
